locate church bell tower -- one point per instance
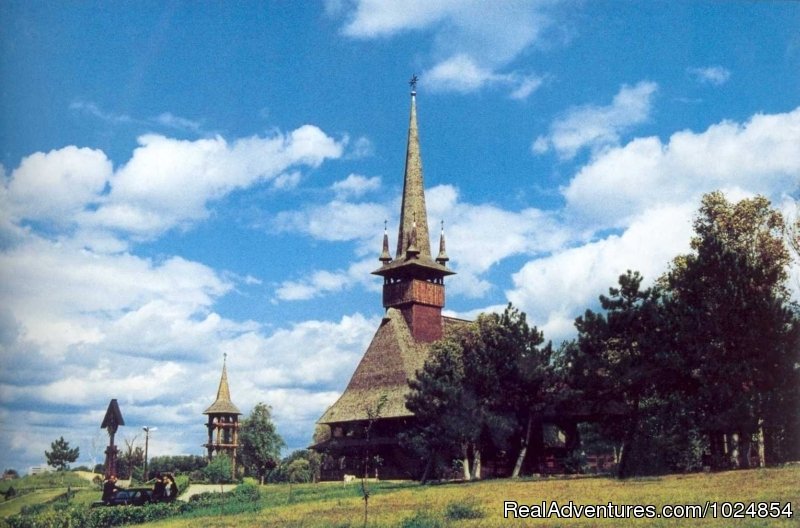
(413, 281)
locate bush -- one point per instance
(68, 517)
(467, 509)
(182, 481)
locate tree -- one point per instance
(219, 470)
(131, 458)
(616, 360)
(260, 442)
(736, 329)
(297, 471)
(479, 390)
(61, 455)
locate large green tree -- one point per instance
(617, 359)
(736, 329)
(61, 455)
(260, 442)
(480, 389)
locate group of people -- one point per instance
(164, 489)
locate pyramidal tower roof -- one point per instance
(413, 212)
(223, 403)
(413, 240)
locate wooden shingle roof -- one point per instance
(223, 403)
(392, 358)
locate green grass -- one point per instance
(55, 479)
(480, 504)
(38, 489)
(398, 504)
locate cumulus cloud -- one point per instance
(554, 289)
(167, 183)
(760, 156)
(355, 186)
(714, 75)
(57, 185)
(472, 46)
(646, 192)
(598, 127)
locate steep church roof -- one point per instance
(223, 403)
(392, 358)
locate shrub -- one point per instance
(68, 517)
(466, 509)
(182, 481)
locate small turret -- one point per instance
(442, 257)
(385, 257)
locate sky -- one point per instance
(184, 180)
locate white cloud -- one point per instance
(472, 45)
(553, 290)
(168, 119)
(337, 220)
(759, 156)
(714, 75)
(57, 185)
(355, 186)
(598, 127)
(323, 282)
(167, 183)
(460, 73)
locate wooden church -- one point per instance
(413, 296)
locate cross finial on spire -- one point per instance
(413, 84)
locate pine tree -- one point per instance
(61, 454)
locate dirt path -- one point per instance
(196, 489)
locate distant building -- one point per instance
(413, 295)
(223, 422)
(39, 470)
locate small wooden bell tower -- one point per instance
(223, 422)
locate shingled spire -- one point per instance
(413, 207)
(413, 282)
(223, 403)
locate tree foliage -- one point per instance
(477, 390)
(260, 442)
(219, 470)
(61, 455)
(735, 327)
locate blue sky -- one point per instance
(184, 180)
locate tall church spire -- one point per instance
(413, 282)
(413, 207)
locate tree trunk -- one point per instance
(524, 449)
(762, 448)
(476, 464)
(746, 445)
(623, 470)
(427, 470)
(465, 463)
(734, 452)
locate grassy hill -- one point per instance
(412, 505)
(480, 504)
